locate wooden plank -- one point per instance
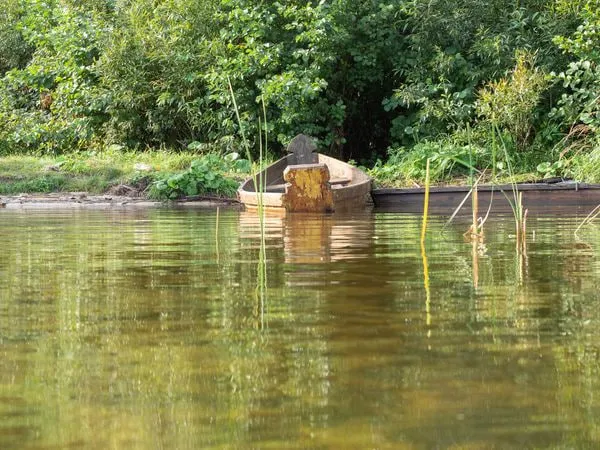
(334, 181)
(276, 187)
(342, 181)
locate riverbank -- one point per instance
(76, 200)
(91, 172)
(114, 178)
(113, 173)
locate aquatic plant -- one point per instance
(516, 204)
(476, 228)
(425, 206)
(424, 251)
(260, 187)
(588, 219)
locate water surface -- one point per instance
(149, 329)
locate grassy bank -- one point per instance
(169, 174)
(456, 160)
(126, 173)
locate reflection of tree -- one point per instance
(122, 329)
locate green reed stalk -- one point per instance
(262, 263)
(425, 206)
(259, 185)
(494, 163)
(588, 219)
(474, 212)
(260, 188)
(519, 213)
(424, 252)
(471, 167)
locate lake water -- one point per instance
(154, 329)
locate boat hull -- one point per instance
(349, 187)
(538, 198)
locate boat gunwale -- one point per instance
(564, 186)
(359, 186)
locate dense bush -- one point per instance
(14, 50)
(362, 77)
(152, 73)
(51, 104)
(580, 102)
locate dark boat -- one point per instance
(306, 181)
(551, 197)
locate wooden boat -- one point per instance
(554, 197)
(306, 181)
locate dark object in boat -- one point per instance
(306, 181)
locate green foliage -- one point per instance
(581, 80)
(586, 166)
(322, 68)
(50, 104)
(447, 158)
(457, 47)
(152, 71)
(555, 169)
(361, 77)
(509, 104)
(14, 50)
(205, 175)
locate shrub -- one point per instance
(580, 104)
(509, 104)
(51, 103)
(447, 159)
(207, 174)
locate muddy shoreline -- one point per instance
(75, 200)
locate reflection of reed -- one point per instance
(217, 236)
(424, 253)
(522, 258)
(426, 286)
(259, 228)
(475, 259)
(522, 264)
(261, 283)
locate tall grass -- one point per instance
(516, 203)
(260, 187)
(476, 228)
(588, 219)
(425, 206)
(424, 251)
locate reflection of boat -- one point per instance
(311, 238)
(305, 181)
